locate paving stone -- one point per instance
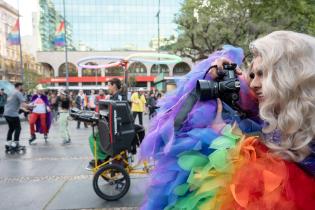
(53, 176)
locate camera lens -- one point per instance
(207, 89)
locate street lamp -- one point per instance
(96, 73)
(158, 29)
(66, 50)
(21, 55)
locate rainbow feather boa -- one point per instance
(165, 145)
(198, 167)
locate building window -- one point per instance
(72, 69)
(91, 72)
(159, 68)
(181, 69)
(137, 68)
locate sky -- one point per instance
(26, 9)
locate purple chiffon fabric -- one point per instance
(164, 144)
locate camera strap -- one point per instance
(181, 116)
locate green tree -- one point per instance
(204, 25)
(31, 79)
(132, 81)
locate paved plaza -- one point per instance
(53, 176)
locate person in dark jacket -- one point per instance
(114, 87)
(79, 102)
(152, 105)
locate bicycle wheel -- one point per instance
(111, 182)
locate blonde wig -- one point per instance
(288, 86)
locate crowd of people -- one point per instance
(44, 107)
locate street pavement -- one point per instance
(52, 176)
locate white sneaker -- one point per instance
(66, 141)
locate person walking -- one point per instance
(138, 105)
(64, 114)
(91, 101)
(101, 96)
(40, 115)
(3, 100)
(72, 99)
(152, 105)
(54, 102)
(11, 114)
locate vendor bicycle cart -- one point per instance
(119, 138)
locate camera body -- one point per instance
(226, 86)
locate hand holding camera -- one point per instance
(224, 84)
(218, 65)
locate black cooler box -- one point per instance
(116, 126)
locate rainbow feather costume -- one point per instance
(198, 167)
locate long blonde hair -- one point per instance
(288, 85)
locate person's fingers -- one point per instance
(219, 109)
(218, 123)
(238, 71)
(213, 72)
(222, 61)
(218, 65)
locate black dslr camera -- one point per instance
(226, 86)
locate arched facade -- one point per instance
(71, 68)
(137, 69)
(48, 70)
(159, 68)
(181, 68)
(145, 72)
